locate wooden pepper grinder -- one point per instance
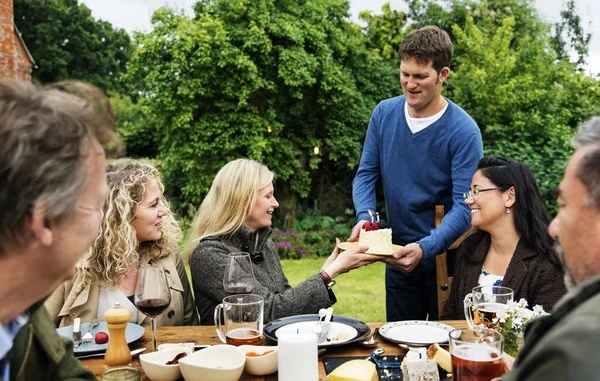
(117, 352)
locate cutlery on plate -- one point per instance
(325, 326)
(134, 352)
(322, 313)
(88, 338)
(76, 332)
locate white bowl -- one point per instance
(163, 347)
(260, 365)
(155, 364)
(215, 363)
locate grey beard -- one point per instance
(568, 278)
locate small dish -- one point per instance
(216, 363)
(258, 362)
(155, 364)
(163, 347)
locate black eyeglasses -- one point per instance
(475, 192)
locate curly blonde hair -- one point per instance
(116, 248)
(230, 199)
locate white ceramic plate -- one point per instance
(132, 333)
(415, 332)
(338, 333)
(342, 329)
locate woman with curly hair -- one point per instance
(236, 216)
(137, 229)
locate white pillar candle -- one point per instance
(298, 356)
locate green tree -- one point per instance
(68, 43)
(525, 101)
(265, 79)
(569, 35)
(384, 31)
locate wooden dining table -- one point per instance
(208, 335)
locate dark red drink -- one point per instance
(476, 362)
(152, 307)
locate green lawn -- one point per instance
(360, 293)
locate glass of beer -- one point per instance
(485, 302)
(242, 319)
(476, 354)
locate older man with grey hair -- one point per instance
(564, 345)
(53, 187)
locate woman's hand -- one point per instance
(339, 263)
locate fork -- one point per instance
(88, 337)
(319, 325)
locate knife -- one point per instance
(325, 326)
(134, 352)
(76, 332)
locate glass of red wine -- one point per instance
(152, 294)
(239, 276)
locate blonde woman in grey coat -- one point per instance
(236, 216)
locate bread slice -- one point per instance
(440, 356)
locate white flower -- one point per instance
(501, 313)
(538, 310)
(517, 323)
(522, 303)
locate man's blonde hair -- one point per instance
(230, 199)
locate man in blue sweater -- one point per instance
(425, 149)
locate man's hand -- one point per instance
(356, 231)
(407, 258)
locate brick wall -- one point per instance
(14, 59)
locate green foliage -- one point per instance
(360, 293)
(525, 101)
(261, 79)
(138, 132)
(68, 43)
(312, 235)
(570, 36)
(384, 31)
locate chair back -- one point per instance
(441, 262)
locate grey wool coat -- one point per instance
(207, 266)
(531, 276)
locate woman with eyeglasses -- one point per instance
(510, 246)
(235, 216)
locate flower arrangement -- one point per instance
(511, 322)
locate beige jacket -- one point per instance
(72, 299)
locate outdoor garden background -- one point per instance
(292, 83)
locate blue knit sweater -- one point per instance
(431, 167)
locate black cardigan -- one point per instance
(531, 275)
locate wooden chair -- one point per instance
(441, 263)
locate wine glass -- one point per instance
(239, 276)
(152, 294)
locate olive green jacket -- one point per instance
(39, 353)
(563, 346)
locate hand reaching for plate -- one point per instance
(407, 258)
(339, 263)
